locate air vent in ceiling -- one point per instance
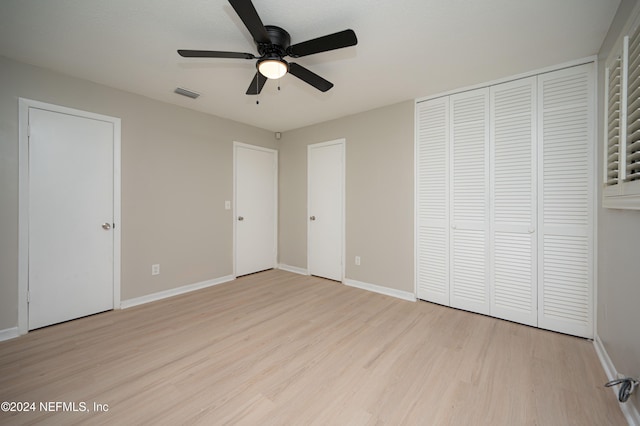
(186, 92)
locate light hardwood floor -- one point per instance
(280, 348)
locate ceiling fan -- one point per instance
(273, 44)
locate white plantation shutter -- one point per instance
(613, 78)
(432, 220)
(632, 151)
(513, 201)
(622, 124)
(469, 144)
(565, 141)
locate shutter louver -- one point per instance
(632, 157)
(432, 185)
(613, 121)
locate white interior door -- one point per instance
(432, 200)
(470, 201)
(566, 184)
(71, 216)
(514, 285)
(256, 174)
(326, 209)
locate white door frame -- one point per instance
(23, 201)
(342, 142)
(237, 145)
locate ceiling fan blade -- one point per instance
(334, 41)
(247, 12)
(214, 54)
(310, 77)
(256, 84)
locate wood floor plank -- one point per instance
(279, 348)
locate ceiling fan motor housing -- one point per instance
(280, 41)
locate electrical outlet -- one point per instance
(358, 260)
(155, 269)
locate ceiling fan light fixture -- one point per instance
(273, 68)
(274, 43)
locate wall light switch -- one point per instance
(155, 269)
(227, 205)
(358, 260)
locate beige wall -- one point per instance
(379, 194)
(176, 174)
(618, 312)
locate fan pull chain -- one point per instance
(257, 89)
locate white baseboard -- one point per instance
(9, 333)
(293, 269)
(173, 292)
(628, 409)
(404, 295)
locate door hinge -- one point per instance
(28, 131)
(28, 297)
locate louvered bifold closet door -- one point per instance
(432, 199)
(513, 274)
(565, 157)
(469, 144)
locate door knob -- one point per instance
(312, 218)
(106, 226)
(240, 218)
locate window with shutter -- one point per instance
(632, 157)
(622, 134)
(614, 79)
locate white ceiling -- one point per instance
(406, 49)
